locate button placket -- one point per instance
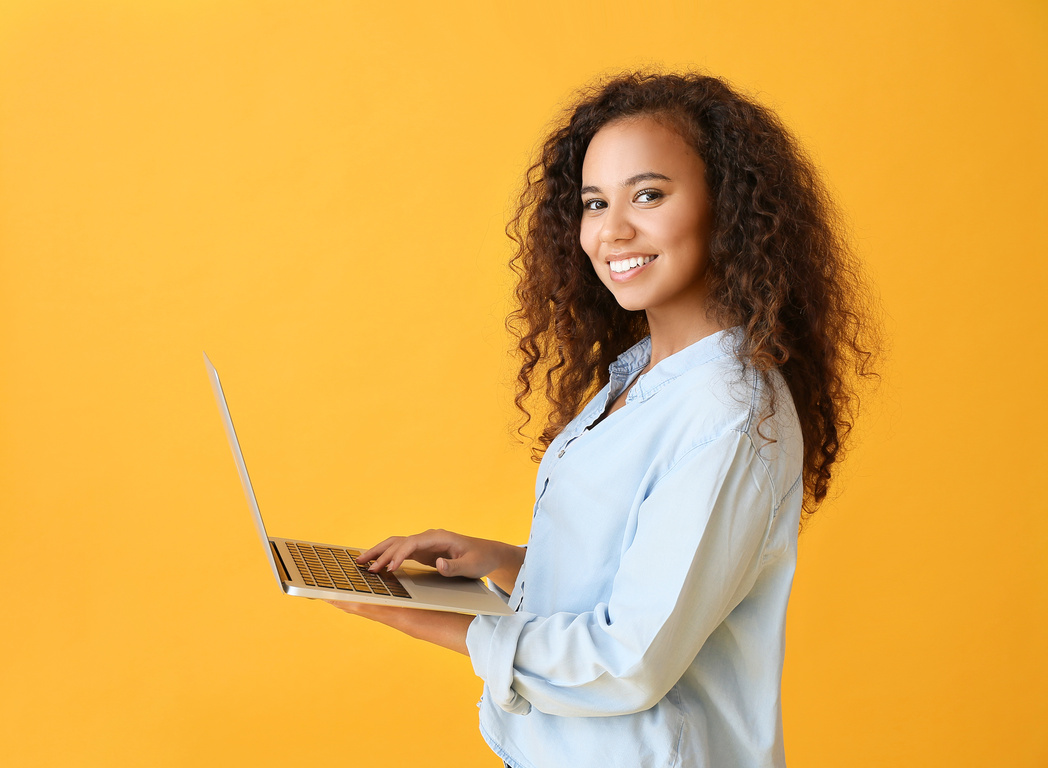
(569, 441)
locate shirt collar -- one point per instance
(633, 360)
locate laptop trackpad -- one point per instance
(433, 580)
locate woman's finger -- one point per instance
(377, 550)
(423, 547)
(394, 554)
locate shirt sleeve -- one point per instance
(696, 553)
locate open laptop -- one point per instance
(309, 569)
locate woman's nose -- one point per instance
(615, 225)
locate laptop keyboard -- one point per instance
(336, 568)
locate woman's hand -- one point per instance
(452, 554)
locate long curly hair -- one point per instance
(779, 265)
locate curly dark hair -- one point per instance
(779, 265)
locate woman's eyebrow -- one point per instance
(632, 180)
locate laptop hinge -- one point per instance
(279, 561)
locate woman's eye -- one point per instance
(648, 196)
(593, 205)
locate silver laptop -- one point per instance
(309, 569)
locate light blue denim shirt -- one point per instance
(651, 605)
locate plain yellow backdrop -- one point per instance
(315, 192)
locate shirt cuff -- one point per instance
(492, 644)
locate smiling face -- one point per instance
(646, 219)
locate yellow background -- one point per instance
(314, 192)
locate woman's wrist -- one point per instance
(510, 558)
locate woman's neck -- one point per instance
(671, 334)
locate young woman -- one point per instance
(690, 312)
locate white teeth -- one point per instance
(625, 265)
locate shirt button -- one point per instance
(560, 454)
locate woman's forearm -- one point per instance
(447, 630)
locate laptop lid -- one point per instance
(238, 457)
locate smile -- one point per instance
(625, 265)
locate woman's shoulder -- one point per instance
(724, 397)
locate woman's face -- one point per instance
(646, 217)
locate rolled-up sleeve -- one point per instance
(695, 553)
